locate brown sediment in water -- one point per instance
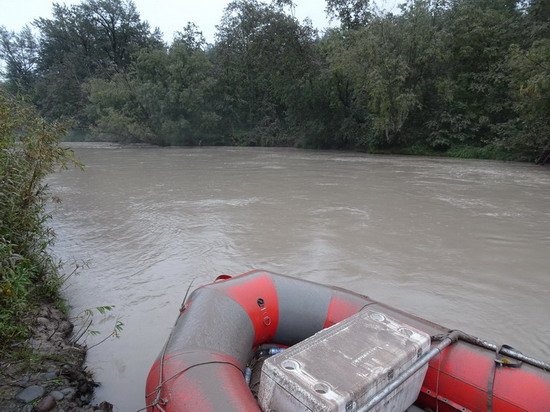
(47, 371)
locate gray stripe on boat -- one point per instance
(303, 308)
(213, 322)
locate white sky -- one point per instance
(168, 15)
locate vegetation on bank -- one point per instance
(29, 150)
(467, 78)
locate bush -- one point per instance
(29, 150)
(485, 152)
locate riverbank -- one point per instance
(46, 372)
(459, 152)
(41, 369)
(487, 152)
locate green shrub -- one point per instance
(485, 152)
(29, 150)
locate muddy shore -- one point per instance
(47, 372)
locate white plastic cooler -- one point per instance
(342, 367)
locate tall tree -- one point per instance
(261, 55)
(94, 38)
(19, 51)
(352, 13)
(529, 134)
(164, 97)
(473, 85)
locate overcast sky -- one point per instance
(168, 15)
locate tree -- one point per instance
(325, 113)
(96, 38)
(20, 54)
(462, 77)
(473, 99)
(100, 34)
(352, 13)
(162, 99)
(530, 135)
(538, 18)
(261, 56)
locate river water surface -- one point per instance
(464, 243)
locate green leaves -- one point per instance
(20, 54)
(261, 59)
(29, 150)
(352, 13)
(163, 98)
(96, 38)
(530, 81)
(438, 74)
(86, 319)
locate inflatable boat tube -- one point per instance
(222, 324)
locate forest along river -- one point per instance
(464, 243)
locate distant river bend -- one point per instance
(464, 243)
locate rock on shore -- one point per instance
(49, 372)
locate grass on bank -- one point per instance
(29, 150)
(465, 151)
(462, 152)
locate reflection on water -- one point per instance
(463, 243)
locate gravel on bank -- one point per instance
(47, 372)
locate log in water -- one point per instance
(465, 243)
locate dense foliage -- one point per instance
(29, 150)
(462, 77)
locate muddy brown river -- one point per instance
(464, 243)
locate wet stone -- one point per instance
(105, 406)
(57, 395)
(30, 394)
(46, 404)
(48, 376)
(68, 393)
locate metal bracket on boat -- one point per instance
(503, 360)
(507, 351)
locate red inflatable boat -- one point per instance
(222, 326)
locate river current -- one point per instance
(464, 243)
